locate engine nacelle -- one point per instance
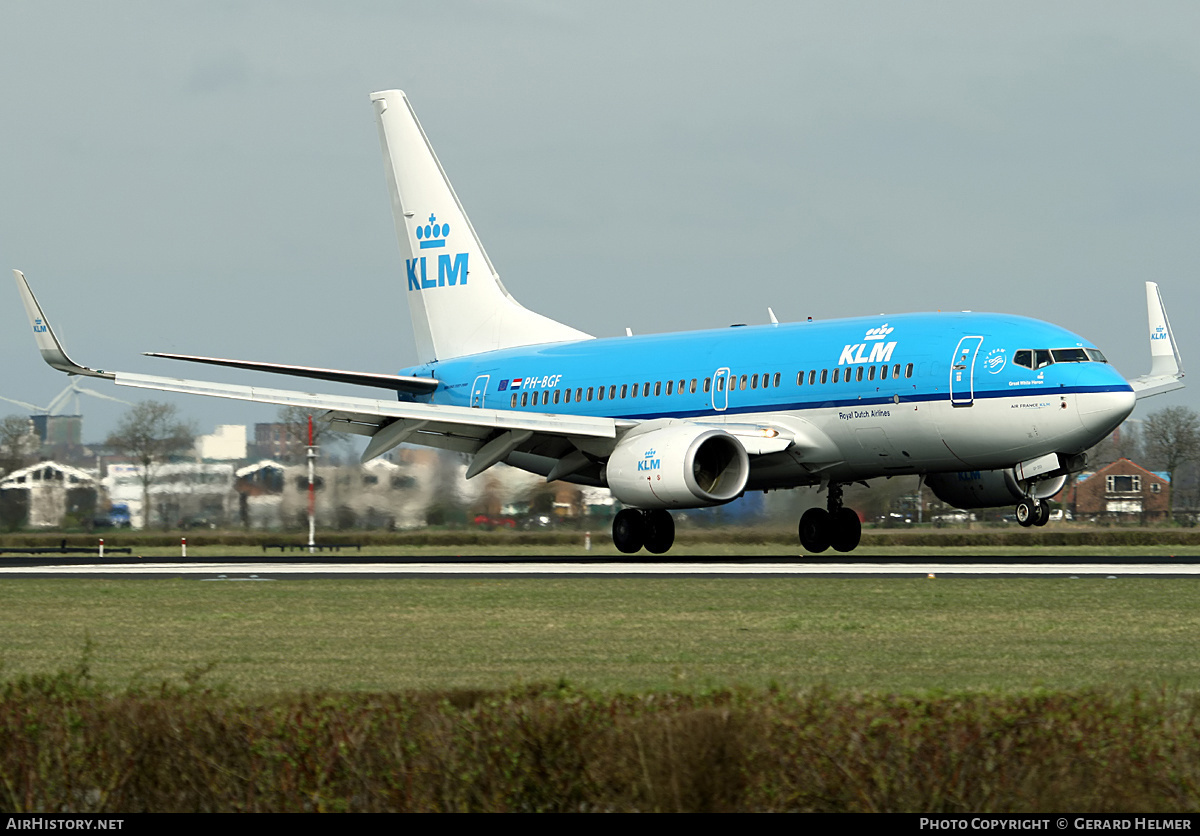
(990, 488)
(678, 466)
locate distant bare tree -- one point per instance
(295, 419)
(1172, 439)
(150, 433)
(17, 443)
(1122, 443)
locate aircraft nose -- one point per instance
(1102, 412)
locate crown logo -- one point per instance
(649, 454)
(432, 234)
(879, 333)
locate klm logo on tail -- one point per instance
(451, 270)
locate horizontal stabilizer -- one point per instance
(400, 383)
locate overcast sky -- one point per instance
(206, 177)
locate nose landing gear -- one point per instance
(634, 529)
(837, 527)
(1032, 511)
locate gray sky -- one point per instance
(206, 177)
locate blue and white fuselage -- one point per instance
(910, 393)
(990, 409)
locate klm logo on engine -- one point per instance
(877, 352)
(649, 462)
(451, 270)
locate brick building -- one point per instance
(1123, 490)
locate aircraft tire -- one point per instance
(659, 531)
(1043, 514)
(815, 530)
(629, 531)
(1026, 512)
(845, 530)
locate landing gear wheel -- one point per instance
(815, 530)
(846, 530)
(1043, 514)
(1026, 512)
(628, 531)
(659, 531)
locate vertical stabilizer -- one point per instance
(458, 304)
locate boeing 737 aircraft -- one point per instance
(990, 409)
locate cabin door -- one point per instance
(479, 390)
(962, 372)
(720, 389)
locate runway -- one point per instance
(309, 568)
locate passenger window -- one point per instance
(837, 375)
(824, 375)
(720, 384)
(743, 387)
(599, 393)
(514, 399)
(812, 377)
(682, 385)
(858, 374)
(777, 379)
(707, 384)
(646, 390)
(753, 381)
(799, 378)
(670, 387)
(908, 370)
(896, 370)
(567, 396)
(883, 370)
(624, 390)
(590, 392)
(546, 398)
(658, 388)
(871, 373)
(693, 389)
(524, 399)
(579, 394)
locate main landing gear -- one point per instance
(633, 529)
(1032, 511)
(838, 526)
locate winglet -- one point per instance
(52, 350)
(1166, 371)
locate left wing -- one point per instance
(492, 435)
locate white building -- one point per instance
(52, 491)
(227, 444)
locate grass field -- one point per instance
(612, 634)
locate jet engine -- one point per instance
(678, 466)
(990, 488)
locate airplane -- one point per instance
(988, 409)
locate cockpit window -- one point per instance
(1070, 355)
(1039, 358)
